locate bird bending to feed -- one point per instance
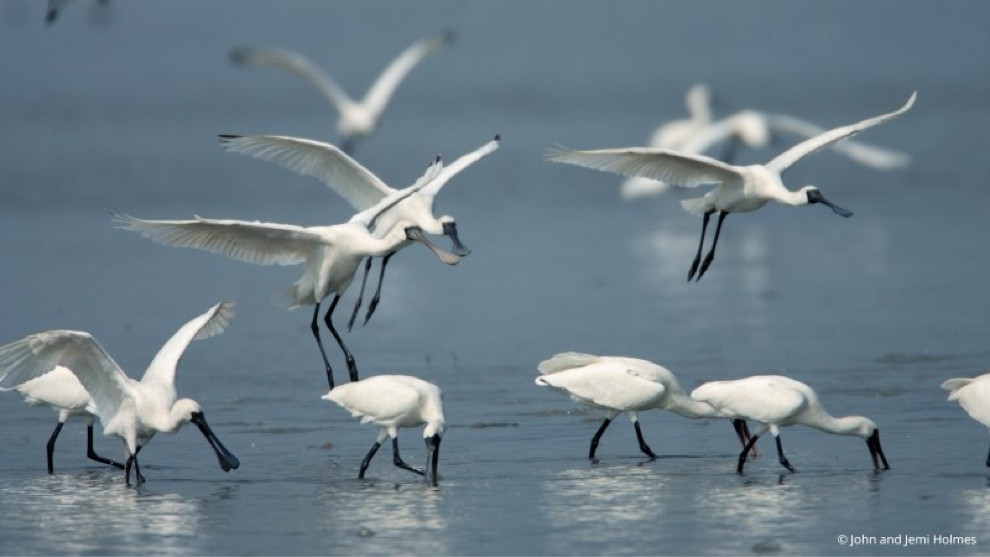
(357, 119)
(362, 189)
(740, 189)
(392, 402)
(330, 254)
(629, 385)
(773, 402)
(132, 410)
(974, 397)
(60, 390)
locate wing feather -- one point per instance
(388, 81)
(295, 64)
(210, 323)
(673, 167)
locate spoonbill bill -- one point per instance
(773, 402)
(362, 189)
(391, 402)
(740, 189)
(60, 390)
(132, 410)
(357, 119)
(330, 254)
(974, 397)
(617, 385)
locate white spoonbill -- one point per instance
(330, 254)
(358, 119)
(773, 402)
(60, 390)
(132, 410)
(974, 397)
(362, 189)
(673, 135)
(740, 189)
(391, 402)
(617, 385)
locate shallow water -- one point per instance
(119, 107)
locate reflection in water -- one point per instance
(93, 513)
(386, 518)
(601, 508)
(975, 506)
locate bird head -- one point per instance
(415, 233)
(449, 227)
(813, 195)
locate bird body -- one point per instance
(392, 402)
(357, 119)
(622, 385)
(134, 410)
(775, 401)
(973, 395)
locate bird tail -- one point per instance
(696, 205)
(954, 385)
(565, 360)
(288, 298)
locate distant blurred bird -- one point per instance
(974, 397)
(55, 7)
(60, 390)
(392, 402)
(628, 385)
(774, 401)
(132, 410)
(740, 189)
(754, 129)
(330, 254)
(358, 119)
(362, 189)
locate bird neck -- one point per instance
(688, 407)
(849, 425)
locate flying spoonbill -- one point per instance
(740, 189)
(358, 119)
(362, 189)
(774, 401)
(391, 402)
(60, 390)
(974, 397)
(132, 410)
(629, 385)
(330, 254)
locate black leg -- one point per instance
(367, 459)
(137, 468)
(127, 469)
(51, 447)
(397, 460)
(360, 298)
(378, 291)
(781, 457)
(328, 319)
(316, 333)
(701, 243)
(745, 451)
(988, 460)
(742, 430)
(711, 252)
(597, 437)
(92, 453)
(642, 442)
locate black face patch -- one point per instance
(815, 196)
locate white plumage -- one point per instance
(973, 395)
(391, 402)
(132, 410)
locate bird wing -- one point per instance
(375, 399)
(213, 322)
(565, 361)
(673, 167)
(323, 161)
(40, 353)
(972, 395)
(368, 216)
(786, 159)
(381, 90)
(295, 64)
(762, 398)
(863, 153)
(606, 384)
(254, 242)
(59, 388)
(464, 161)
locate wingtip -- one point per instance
(498, 137)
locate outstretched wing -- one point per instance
(451, 170)
(213, 322)
(786, 159)
(863, 153)
(381, 90)
(673, 167)
(40, 353)
(295, 64)
(323, 161)
(254, 242)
